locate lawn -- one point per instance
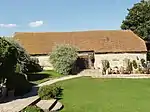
(106, 95)
(43, 76)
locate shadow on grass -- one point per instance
(36, 77)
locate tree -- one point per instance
(23, 56)
(26, 64)
(8, 58)
(138, 19)
(63, 58)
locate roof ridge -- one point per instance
(74, 31)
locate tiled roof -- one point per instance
(99, 41)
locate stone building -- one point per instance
(111, 45)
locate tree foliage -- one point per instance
(8, 58)
(63, 58)
(26, 64)
(23, 56)
(134, 63)
(10, 55)
(138, 19)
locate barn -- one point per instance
(111, 45)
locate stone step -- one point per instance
(46, 105)
(57, 107)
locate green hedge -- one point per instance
(50, 91)
(32, 109)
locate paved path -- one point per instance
(20, 103)
(17, 105)
(59, 79)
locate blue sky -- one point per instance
(61, 15)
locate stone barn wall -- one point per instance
(44, 62)
(117, 59)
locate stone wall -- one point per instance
(44, 62)
(114, 59)
(117, 59)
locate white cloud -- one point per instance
(8, 25)
(36, 24)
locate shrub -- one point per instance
(128, 68)
(105, 65)
(32, 66)
(50, 91)
(140, 70)
(134, 64)
(143, 63)
(32, 109)
(63, 58)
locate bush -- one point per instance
(50, 91)
(105, 65)
(143, 63)
(134, 64)
(32, 66)
(32, 109)
(63, 57)
(129, 68)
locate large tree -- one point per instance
(138, 19)
(25, 64)
(8, 58)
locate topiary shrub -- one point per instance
(50, 91)
(105, 65)
(134, 64)
(63, 58)
(32, 109)
(128, 68)
(143, 62)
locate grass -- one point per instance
(43, 76)
(106, 95)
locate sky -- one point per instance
(61, 15)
